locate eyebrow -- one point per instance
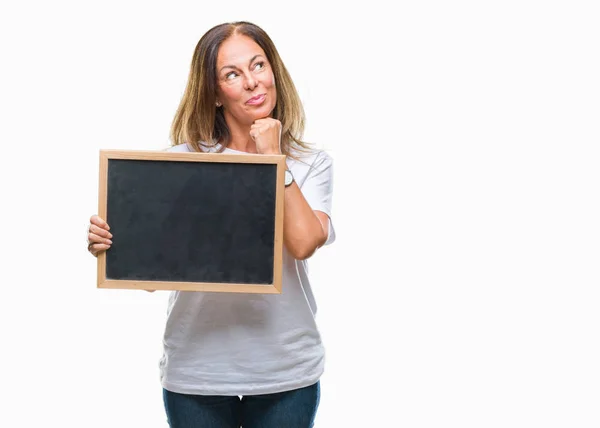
(234, 67)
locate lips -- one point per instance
(257, 100)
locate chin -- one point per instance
(262, 112)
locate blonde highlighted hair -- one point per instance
(200, 124)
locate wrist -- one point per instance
(288, 178)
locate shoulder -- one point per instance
(312, 159)
(323, 159)
(313, 165)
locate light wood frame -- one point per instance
(278, 160)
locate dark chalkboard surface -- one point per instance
(192, 221)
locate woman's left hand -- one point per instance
(266, 133)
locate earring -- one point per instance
(218, 104)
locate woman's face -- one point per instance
(246, 84)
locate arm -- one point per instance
(304, 230)
(305, 222)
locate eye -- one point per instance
(259, 65)
(230, 75)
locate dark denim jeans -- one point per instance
(290, 409)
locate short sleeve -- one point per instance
(317, 188)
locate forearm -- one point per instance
(303, 230)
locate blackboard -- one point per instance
(192, 221)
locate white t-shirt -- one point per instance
(243, 343)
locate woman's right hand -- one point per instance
(99, 237)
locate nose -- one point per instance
(250, 82)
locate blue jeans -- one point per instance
(290, 409)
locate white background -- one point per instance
(463, 288)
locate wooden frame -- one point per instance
(278, 160)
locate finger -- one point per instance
(98, 221)
(267, 122)
(258, 129)
(95, 239)
(260, 124)
(100, 232)
(255, 130)
(95, 249)
(254, 134)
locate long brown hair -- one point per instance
(200, 124)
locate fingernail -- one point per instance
(110, 235)
(109, 242)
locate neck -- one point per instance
(240, 137)
(242, 143)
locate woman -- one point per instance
(247, 359)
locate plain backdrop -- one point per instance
(463, 288)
